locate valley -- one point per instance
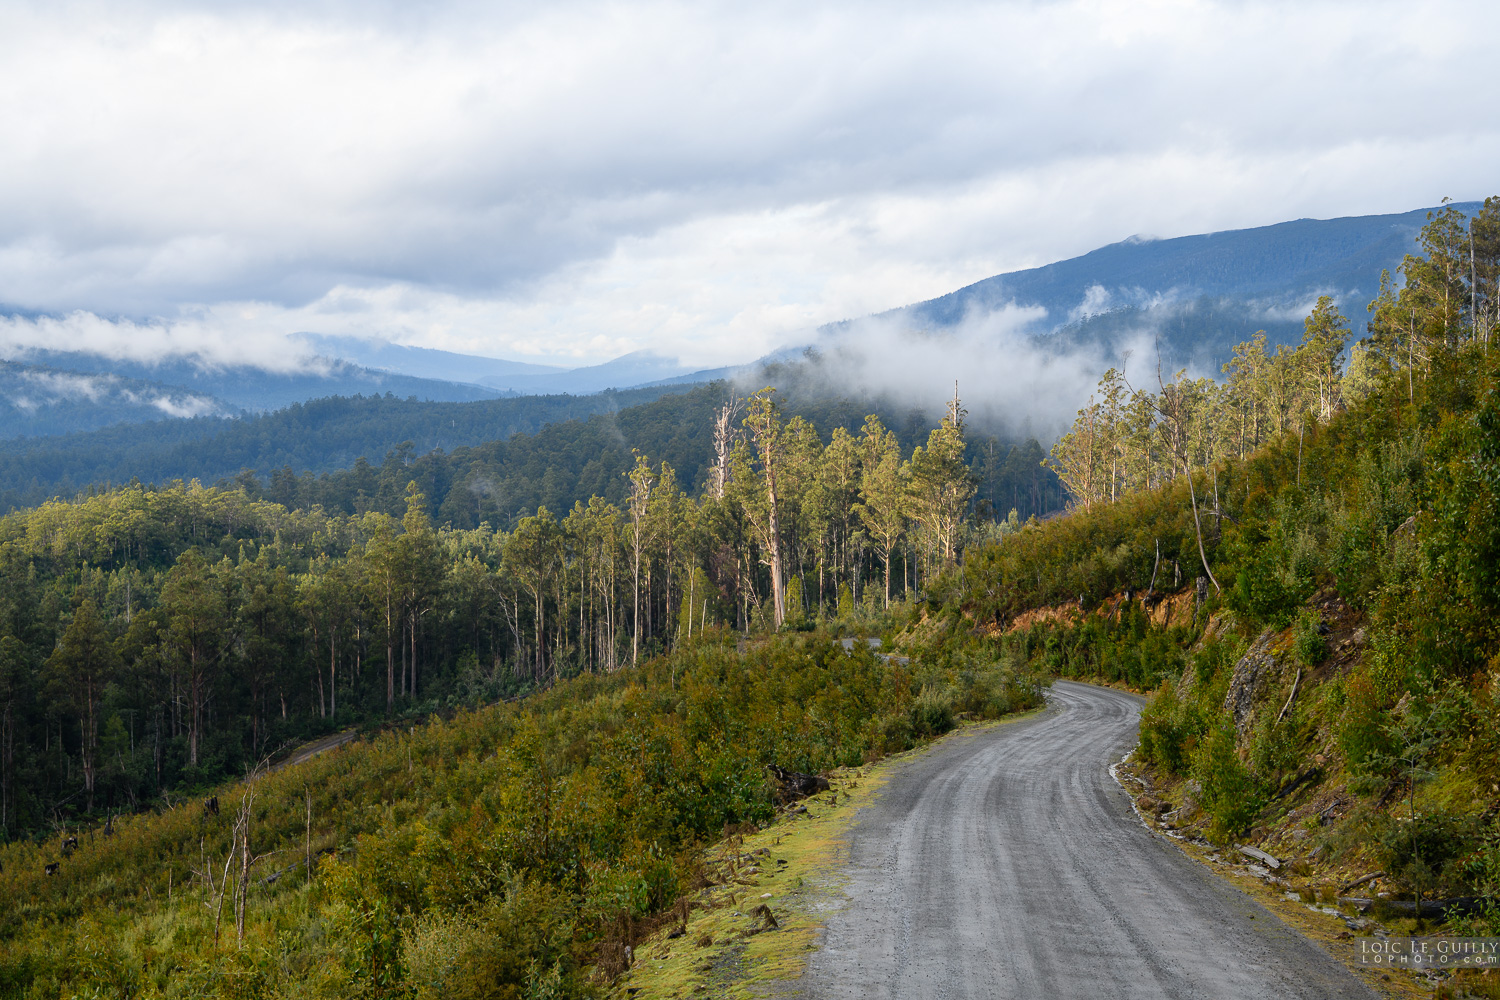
(562, 712)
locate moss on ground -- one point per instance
(795, 867)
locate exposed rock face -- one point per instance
(1255, 669)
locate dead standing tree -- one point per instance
(766, 431)
(239, 861)
(1171, 406)
(724, 438)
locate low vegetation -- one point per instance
(509, 851)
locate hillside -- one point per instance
(474, 461)
(1300, 564)
(1316, 619)
(318, 437)
(36, 400)
(1203, 293)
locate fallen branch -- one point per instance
(1298, 782)
(1259, 855)
(1439, 908)
(1292, 697)
(1361, 881)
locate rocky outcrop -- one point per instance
(1257, 669)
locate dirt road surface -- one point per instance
(1008, 863)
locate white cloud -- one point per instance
(1097, 299)
(574, 180)
(186, 406)
(65, 385)
(1007, 380)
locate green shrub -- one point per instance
(1362, 728)
(1274, 747)
(1308, 643)
(1427, 854)
(931, 713)
(1230, 796)
(1162, 728)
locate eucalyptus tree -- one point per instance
(383, 575)
(884, 488)
(941, 484)
(1324, 334)
(829, 506)
(421, 565)
(197, 615)
(763, 422)
(78, 670)
(641, 479)
(531, 559)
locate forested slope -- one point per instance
(478, 461)
(1327, 689)
(1317, 618)
(321, 436)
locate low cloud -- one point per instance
(576, 180)
(186, 406)
(1011, 382)
(33, 389)
(1095, 301)
(62, 386)
(218, 338)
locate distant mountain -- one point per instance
(640, 368)
(37, 399)
(636, 369)
(424, 362)
(243, 387)
(1194, 296)
(320, 436)
(1202, 294)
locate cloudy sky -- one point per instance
(567, 182)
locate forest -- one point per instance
(157, 638)
(491, 460)
(1329, 515)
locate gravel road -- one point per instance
(1008, 863)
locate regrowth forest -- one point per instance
(152, 639)
(1301, 564)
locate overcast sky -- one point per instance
(567, 182)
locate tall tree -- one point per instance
(1324, 334)
(884, 488)
(384, 572)
(763, 421)
(941, 483)
(195, 619)
(641, 478)
(531, 556)
(422, 571)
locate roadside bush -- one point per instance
(1163, 730)
(1425, 854)
(1274, 747)
(1230, 796)
(896, 734)
(931, 713)
(1362, 729)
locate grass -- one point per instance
(727, 953)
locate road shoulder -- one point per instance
(1284, 897)
(796, 868)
